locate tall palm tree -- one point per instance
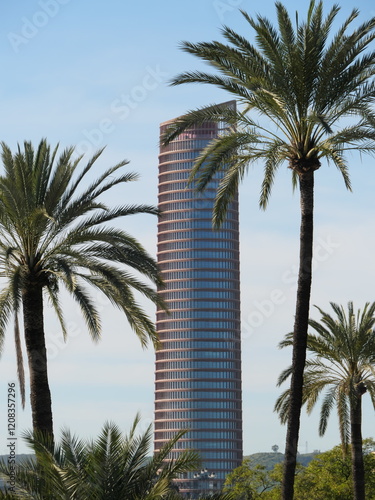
(306, 83)
(342, 365)
(113, 467)
(54, 233)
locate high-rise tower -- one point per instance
(198, 368)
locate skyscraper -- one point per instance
(198, 368)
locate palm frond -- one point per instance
(273, 158)
(282, 406)
(302, 78)
(341, 359)
(327, 405)
(6, 309)
(343, 413)
(55, 230)
(54, 298)
(19, 357)
(89, 311)
(212, 113)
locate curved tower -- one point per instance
(198, 368)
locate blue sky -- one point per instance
(94, 74)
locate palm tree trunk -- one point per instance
(40, 396)
(358, 470)
(306, 182)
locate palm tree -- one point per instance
(112, 467)
(53, 233)
(343, 365)
(305, 83)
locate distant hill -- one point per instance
(269, 460)
(19, 456)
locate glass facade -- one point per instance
(198, 367)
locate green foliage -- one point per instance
(253, 481)
(328, 476)
(249, 481)
(269, 460)
(112, 467)
(54, 229)
(342, 364)
(314, 92)
(210, 496)
(302, 80)
(55, 234)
